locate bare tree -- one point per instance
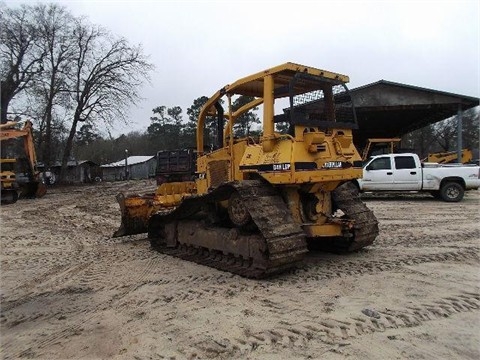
(420, 141)
(446, 134)
(21, 56)
(55, 30)
(471, 128)
(107, 75)
(443, 135)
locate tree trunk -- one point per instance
(5, 100)
(68, 149)
(6, 96)
(4, 111)
(47, 154)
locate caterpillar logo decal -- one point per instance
(333, 165)
(281, 167)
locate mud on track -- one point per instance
(70, 291)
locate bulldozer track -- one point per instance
(346, 198)
(281, 236)
(283, 241)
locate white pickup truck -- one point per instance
(405, 172)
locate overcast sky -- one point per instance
(200, 46)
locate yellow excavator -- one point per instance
(257, 204)
(30, 185)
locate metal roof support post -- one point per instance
(126, 164)
(459, 133)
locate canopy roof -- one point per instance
(388, 109)
(282, 74)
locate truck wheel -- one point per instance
(452, 192)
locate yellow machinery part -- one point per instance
(256, 202)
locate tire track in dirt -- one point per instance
(328, 269)
(99, 255)
(89, 313)
(91, 275)
(92, 269)
(184, 288)
(392, 226)
(8, 305)
(57, 271)
(338, 332)
(174, 284)
(442, 237)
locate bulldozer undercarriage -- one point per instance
(257, 242)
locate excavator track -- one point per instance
(365, 230)
(275, 243)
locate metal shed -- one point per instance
(138, 167)
(388, 109)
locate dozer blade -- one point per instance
(136, 211)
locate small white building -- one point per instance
(137, 167)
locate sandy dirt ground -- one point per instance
(70, 291)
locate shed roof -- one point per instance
(131, 160)
(389, 109)
(70, 163)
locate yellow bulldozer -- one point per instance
(11, 186)
(447, 157)
(385, 144)
(256, 205)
